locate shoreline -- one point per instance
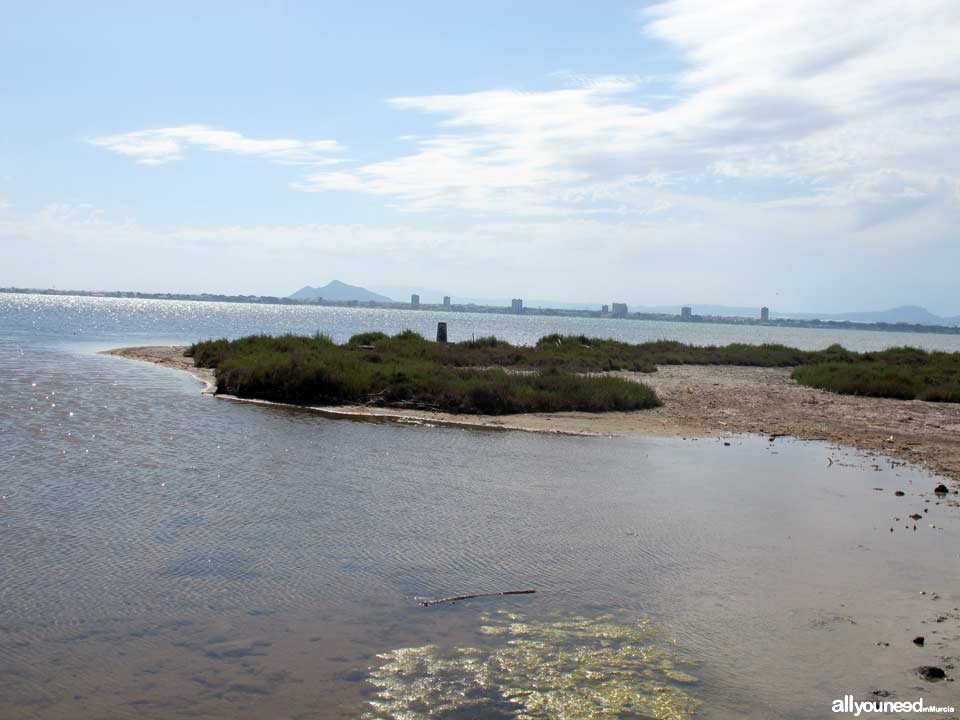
(710, 401)
(945, 327)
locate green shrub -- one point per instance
(368, 338)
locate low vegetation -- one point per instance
(560, 372)
(406, 371)
(904, 373)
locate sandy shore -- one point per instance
(704, 401)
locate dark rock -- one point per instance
(353, 675)
(918, 640)
(899, 493)
(941, 489)
(931, 672)
(916, 516)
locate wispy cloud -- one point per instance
(155, 147)
(812, 100)
(814, 105)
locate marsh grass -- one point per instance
(490, 376)
(903, 373)
(406, 371)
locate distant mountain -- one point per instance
(339, 292)
(912, 314)
(904, 314)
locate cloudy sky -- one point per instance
(801, 155)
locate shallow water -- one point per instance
(168, 554)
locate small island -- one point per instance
(901, 402)
(488, 376)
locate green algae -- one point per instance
(562, 669)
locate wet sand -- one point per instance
(702, 401)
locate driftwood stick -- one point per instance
(428, 603)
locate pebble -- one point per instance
(931, 672)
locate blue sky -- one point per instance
(744, 153)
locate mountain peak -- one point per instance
(339, 292)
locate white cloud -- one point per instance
(801, 104)
(810, 99)
(155, 147)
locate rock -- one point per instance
(941, 489)
(931, 672)
(899, 493)
(918, 640)
(916, 516)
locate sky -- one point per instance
(804, 156)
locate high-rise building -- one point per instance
(446, 301)
(415, 300)
(686, 313)
(619, 309)
(764, 314)
(516, 305)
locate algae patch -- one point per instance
(576, 667)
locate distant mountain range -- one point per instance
(904, 314)
(339, 292)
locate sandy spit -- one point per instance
(701, 401)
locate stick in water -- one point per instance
(428, 603)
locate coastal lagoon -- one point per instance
(107, 322)
(168, 554)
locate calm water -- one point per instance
(167, 554)
(105, 322)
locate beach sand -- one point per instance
(701, 401)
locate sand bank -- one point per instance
(702, 401)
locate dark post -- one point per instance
(441, 332)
